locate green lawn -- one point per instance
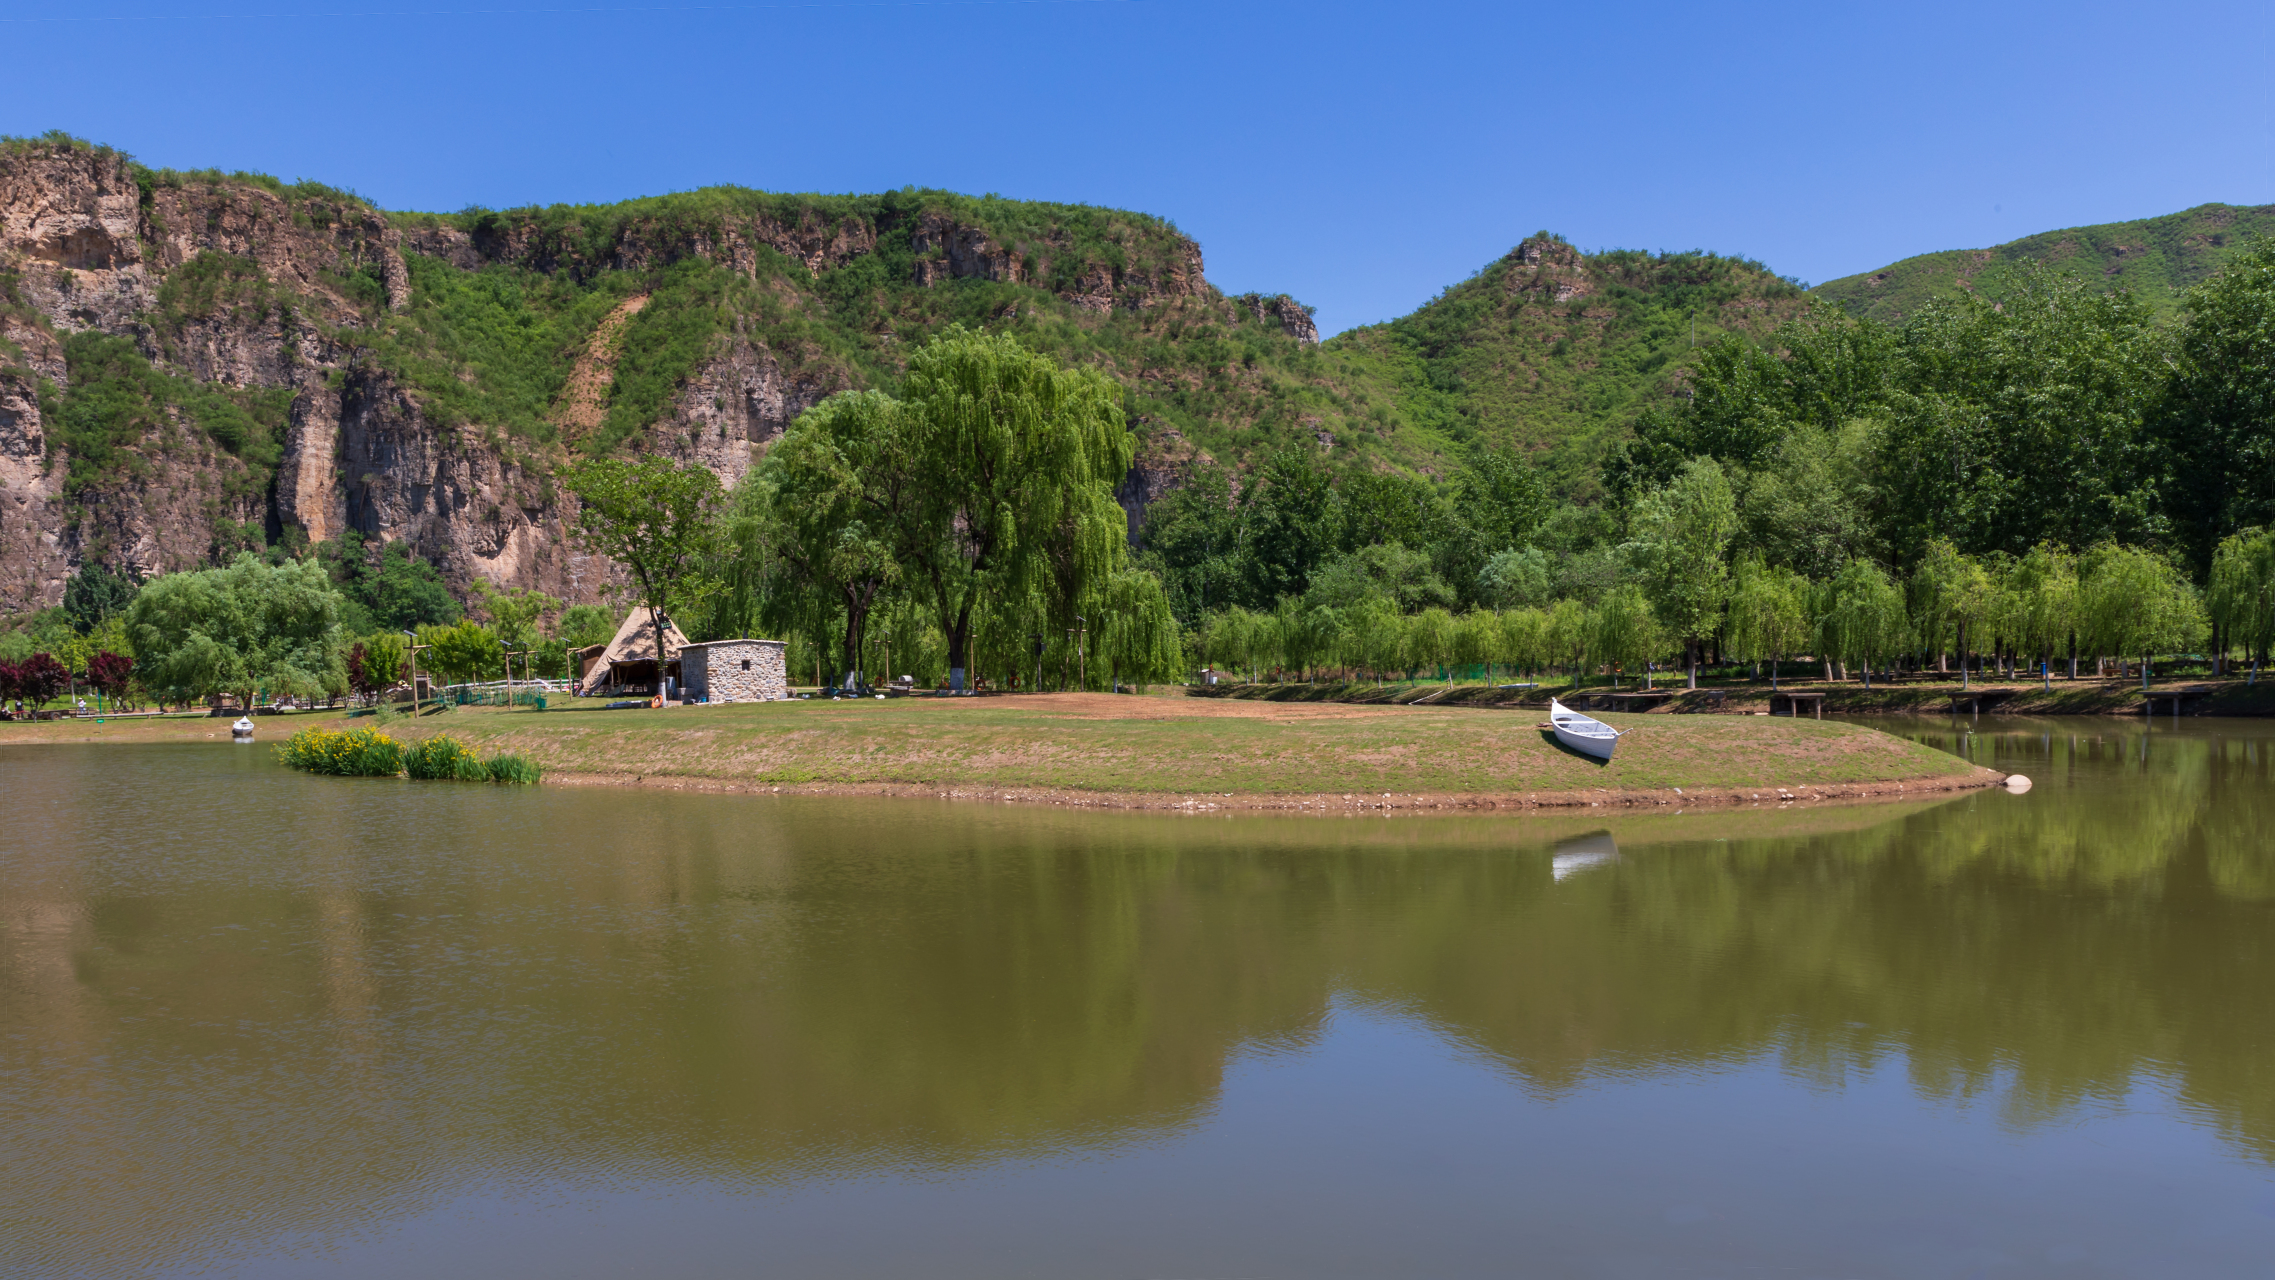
(1160, 745)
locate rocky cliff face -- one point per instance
(259, 288)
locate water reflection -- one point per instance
(257, 1007)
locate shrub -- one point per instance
(349, 753)
(515, 769)
(443, 758)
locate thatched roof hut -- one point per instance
(632, 661)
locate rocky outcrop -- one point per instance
(70, 226)
(950, 250)
(1548, 269)
(636, 244)
(1164, 459)
(947, 250)
(295, 245)
(1293, 318)
(735, 406)
(33, 560)
(456, 498)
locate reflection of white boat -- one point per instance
(242, 731)
(1582, 734)
(1575, 856)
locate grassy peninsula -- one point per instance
(1161, 751)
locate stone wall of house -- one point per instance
(736, 670)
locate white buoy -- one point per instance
(2016, 783)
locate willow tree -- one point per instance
(1524, 639)
(1429, 639)
(1626, 632)
(1862, 617)
(1373, 634)
(2241, 598)
(1952, 593)
(1137, 637)
(1684, 530)
(837, 506)
(1768, 615)
(2045, 588)
(1018, 458)
(239, 629)
(2137, 603)
(1570, 629)
(1477, 640)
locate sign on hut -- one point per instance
(632, 663)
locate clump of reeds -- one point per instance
(443, 758)
(513, 769)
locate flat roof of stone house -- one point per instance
(708, 643)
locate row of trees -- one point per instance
(2048, 606)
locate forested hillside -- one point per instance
(2157, 259)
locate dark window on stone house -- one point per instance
(746, 664)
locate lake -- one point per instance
(258, 1024)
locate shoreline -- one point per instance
(1352, 802)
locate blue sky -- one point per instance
(1357, 156)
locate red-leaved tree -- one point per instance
(40, 678)
(110, 672)
(11, 680)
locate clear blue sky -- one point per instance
(1357, 156)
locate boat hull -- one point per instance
(1586, 736)
(1600, 748)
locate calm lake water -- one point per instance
(255, 1024)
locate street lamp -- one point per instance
(1080, 632)
(415, 646)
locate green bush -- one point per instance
(345, 753)
(514, 769)
(443, 758)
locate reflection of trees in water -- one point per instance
(714, 987)
(2047, 952)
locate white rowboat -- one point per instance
(1582, 734)
(242, 731)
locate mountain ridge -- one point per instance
(2156, 257)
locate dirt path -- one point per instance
(584, 402)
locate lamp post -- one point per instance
(415, 646)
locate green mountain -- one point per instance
(2156, 258)
(1550, 351)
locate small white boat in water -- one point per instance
(242, 731)
(1581, 733)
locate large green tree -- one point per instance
(654, 516)
(239, 629)
(2216, 425)
(1019, 458)
(2023, 421)
(1683, 534)
(841, 509)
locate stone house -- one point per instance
(735, 671)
